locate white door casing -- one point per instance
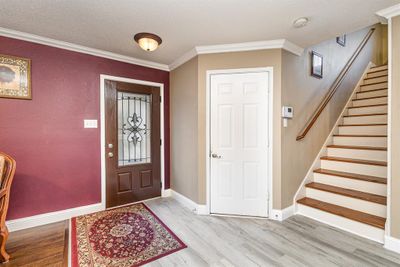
(239, 169)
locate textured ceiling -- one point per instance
(182, 24)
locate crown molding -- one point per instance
(80, 49)
(389, 12)
(183, 59)
(237, 47)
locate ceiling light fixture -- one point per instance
(300, 22)
(147, 41)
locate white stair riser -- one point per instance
(376, 80)
(357, 154)
(373, 87)
(348, 202)
(378, 73)
(371, 101)
(371, 130)
(345, 224)
(365, 119)
(373, 170)
(360, 185)
(360, 141)
(372, 93)
(384, 67)
(367, 110)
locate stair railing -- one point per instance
(334, 87)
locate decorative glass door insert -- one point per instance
(134, 128)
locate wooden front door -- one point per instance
(133, 169)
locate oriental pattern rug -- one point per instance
(124, 237)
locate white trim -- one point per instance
(389, 133)
(80, 49)
(104, 77)
(389, 12)
(281, 215)
(209, 73)
(237, 47)
(392, 243)
(317, 162)
(51, 217)
(188, 203)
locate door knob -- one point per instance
(110, 154)
(110, 145)
(216, 156)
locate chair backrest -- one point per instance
(7, 171)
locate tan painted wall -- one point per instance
(293, 86)
(395, 130)
(183, 103)
(252, 59)
(304, 92)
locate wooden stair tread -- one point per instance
(376, 77)
(375, 71)
(368, 98)
(365, 115)
(367, 106)
(383, 65)
(354, 215)
(373, 90)
(358, 135)
(357, 161)
(365, 124)
(348, 193)
(354, 176)
(362, 85)
(359, 147)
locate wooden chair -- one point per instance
(7, 171)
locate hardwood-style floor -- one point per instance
(39, 247)
(298, 241)
(224, 241)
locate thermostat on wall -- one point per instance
(287, 112)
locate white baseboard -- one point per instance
(190, 204)
(166, 193)
(392, 243)
(281, 215)
(51, 217)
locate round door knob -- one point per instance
(215, 156)
(110, 154)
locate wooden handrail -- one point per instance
(334, 87)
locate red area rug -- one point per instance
(123, 237)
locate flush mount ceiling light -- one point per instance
(300, 22)
(147, 41)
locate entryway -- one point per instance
(240, 134)
(132, 141)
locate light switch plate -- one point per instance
(90, 123)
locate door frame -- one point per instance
(104, 77)
(209, 73)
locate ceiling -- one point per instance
(183, 24)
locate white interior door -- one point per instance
(239, 143)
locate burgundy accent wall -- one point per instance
(58, 161)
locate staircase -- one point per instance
(349, 190)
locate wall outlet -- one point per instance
(89, 123)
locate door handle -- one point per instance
(110, 154)
(216, 156)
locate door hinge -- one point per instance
(160, 142)
(160, 184)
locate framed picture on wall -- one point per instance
(317, 63)
(341, 40)
(15, 77)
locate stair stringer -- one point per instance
(301, 191)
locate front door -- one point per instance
(239, 144)
(132, 142)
